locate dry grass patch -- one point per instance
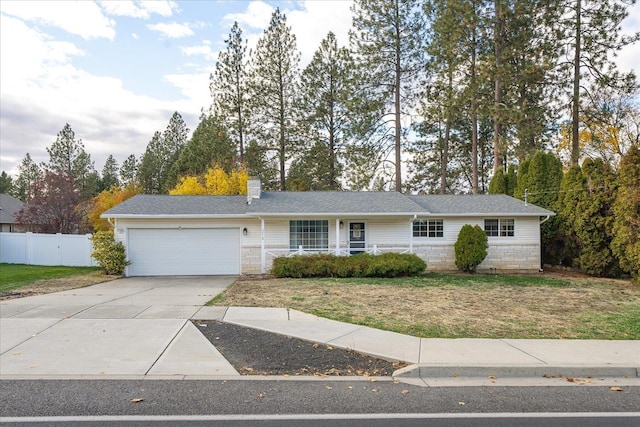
(47, 286)
(439, 306)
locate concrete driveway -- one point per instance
(125, 328)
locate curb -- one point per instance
(515, 371)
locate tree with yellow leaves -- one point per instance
(106, 200)
(214, 182)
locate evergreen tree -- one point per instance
(498, 184)
(162, 152)
(572, 190)
(325, 94)
(388, 38)
(594, 220)
(68, 155)
(591, 30)
(229, 89)
(129, 170)
(209, 146)
(539, 182)
(150, 173)
(275, 87)
(109, 174)
(6, 183)
(626, 227)
(28, 173)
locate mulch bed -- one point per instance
(255, 352)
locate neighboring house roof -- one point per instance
(314, 203)
(480, 204)
(9, 207)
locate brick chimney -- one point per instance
(254, 188)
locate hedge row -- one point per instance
(361, 265)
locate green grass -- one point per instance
(15, 276)
(466, 280)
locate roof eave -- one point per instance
(176, 216)
(331, 214)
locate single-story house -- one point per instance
(9, 207)
(209, 235)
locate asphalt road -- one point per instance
(244, 402)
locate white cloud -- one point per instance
(81, 18)
(312, 24)
(41, 90)
(257, 16)
(628, 58)
(203, 50)
(172, 30)
(194, 88)
(138, 9)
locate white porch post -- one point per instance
(411, 234)
(263, 261)
(337, 236)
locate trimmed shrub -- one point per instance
(471, 247)
(361, 265)
(109, 254)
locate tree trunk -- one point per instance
(474, 114)
(498, 160)
(447, 134)
(575, 113)
(398, 132)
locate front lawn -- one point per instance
(459, 305)
(19, 277)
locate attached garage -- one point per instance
(183, 251)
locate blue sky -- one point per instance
(117, 70)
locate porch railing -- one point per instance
(373, 249)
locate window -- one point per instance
(312, 235)
(499, 227)
(428, 228)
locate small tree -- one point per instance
(110, 255)
(470, 248)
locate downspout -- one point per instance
(545, 220)
(263, 261)
(111, 223)
(411, 233)
(337, 237)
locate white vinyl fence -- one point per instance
(46, 249)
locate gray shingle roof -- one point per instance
(164, 205)
(332, 202)
(484, 204)
(323, 203)
(9, 206)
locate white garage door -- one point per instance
(181, 252)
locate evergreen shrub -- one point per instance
(109, 254)
(361, 265)
(470, 247)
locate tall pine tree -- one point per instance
(229, 89)
(388, 38)
(274, 88)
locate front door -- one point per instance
(357, 242)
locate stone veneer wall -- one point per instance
(501, 258)
(509, 257)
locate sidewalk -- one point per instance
(141, 329)
(438, 361)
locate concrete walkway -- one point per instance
(140, 328)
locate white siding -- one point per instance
(520, 252)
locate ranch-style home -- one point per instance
(228, 235)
